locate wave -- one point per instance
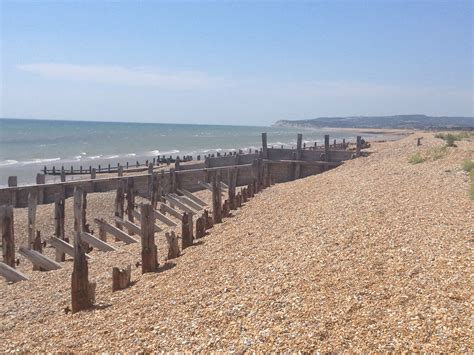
(130, 155)
(8, 162)
(39, 161)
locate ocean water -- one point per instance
(26, 146)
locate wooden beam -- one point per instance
(8, 235)
(186, 236)
(192, 197)
(161, 217)
(138, 217)
(10, 274)
(39, 260)
(108, 228)
(59, 231)
(188, 202)
(63, 247)
(216, 198)
(149, 250)
(164, 208)
(264, 145)
(96, 242)
(180, 205)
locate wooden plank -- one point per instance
(10, 274)
(206, 185)
(115, 231)
(138, 217)
(39, 259)
(167, 209)
(96, 242)
(180, 205)
(192, 197)
(63, 247)
(131, 227)
(188, 202)
(161, 217)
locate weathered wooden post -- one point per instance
(232, 173)
(120, 170)
(32, 203)
(208, 223)
(121, 278)
(37, 246)
(13, 182)
(244, 195)
(225, 209)
(358, 145)
(119, 206)
(297, 171)
(80, 293)
(343, 143)
(264, 146)
(326, 147)
(40, 180)
(216, 198)
(8, 235)
(130, 200)
(63, 174)
(173, 247)
(173, 186)
(149, 250)
(200, 227)
(186, 237)
(239, 200)
(93, 173)
(59, 231)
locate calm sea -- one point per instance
(26, 146)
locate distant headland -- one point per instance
(393, 122)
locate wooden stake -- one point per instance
(200, 227)
(149, 250)
(119, 203)
(121, 278)
(80, 276)
(130, 199)
(232, 183)
(32, 203)
(59, 223)
(173, 248)
(216, 198)
(8, 236)
(38, 246)
(186, 236)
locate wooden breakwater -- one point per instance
(171, 205)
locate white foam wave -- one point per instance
(39, 161)
(8, 162)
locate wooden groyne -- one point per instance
(232, 180)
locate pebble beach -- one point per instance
(374, 255)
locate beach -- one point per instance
(371, 256)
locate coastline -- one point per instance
(369, 256)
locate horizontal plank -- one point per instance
(188, 202)
(164, 207)
(10, 274)
(192, 197)
(161, 217)
(96, 242)
(39, 259)
(63, 246)
(180, 205)
(138, 216)
(119, 234)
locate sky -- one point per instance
(234, 62)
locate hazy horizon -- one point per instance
(234, 63)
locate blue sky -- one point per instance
(234, 62)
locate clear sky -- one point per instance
(242, 62)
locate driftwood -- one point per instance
(8, 236)
(149, 250)
(121, 278)
(173, 247)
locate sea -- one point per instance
(27, 146)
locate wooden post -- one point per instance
(32, 203)
(216, 198)
(207, 220)
(121, 278)
(225, 209)
(37, 246)
(130, 199)
(13, 182)
(120, 172)
(297, 171)
(186, 237)
(358, 145)
(59, 231)
(149, 250)
(40, 180)
(80, 296)
(200, 227)
(264, 146)
(8, 235)
(63, 174)
(232, 182)
(173, 248)
(93, 174)
(326, 147)
(244, 195)
(239, 200)
(119, 206)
